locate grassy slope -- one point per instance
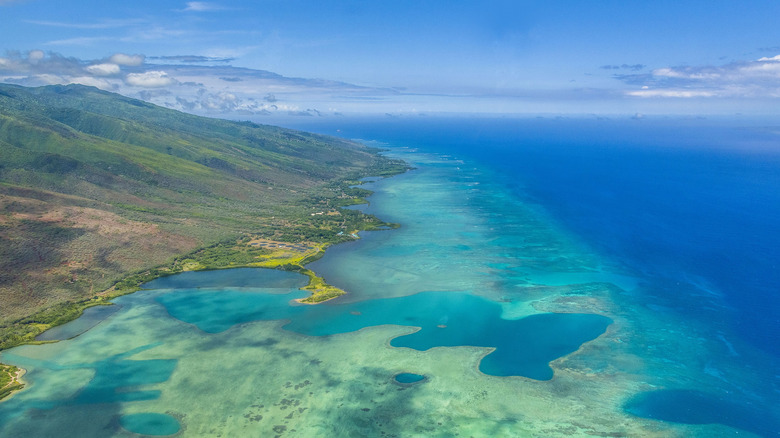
(95, 187)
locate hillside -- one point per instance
(95, 186)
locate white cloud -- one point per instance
(103, 24)
(765, 68)
(201, 7)
(687, 73)
(729, 72)
(746, 79)
(50, 79)
(36, 62)
(150, 79)
(92, 82)
(105, 69)
(671, 93)
(35, 56)
(128, 60)
(78, 41)
(195, 88)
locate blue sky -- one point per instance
(257, 58)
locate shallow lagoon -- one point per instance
(227, 353)
(148, 373)
(523, 347)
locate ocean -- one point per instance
(689, 206)
(692, 200)
(551, 277)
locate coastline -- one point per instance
(320, 291)
(46, 319)
(647, 350)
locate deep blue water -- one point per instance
(682, 201)
(697, 407)
(692, 207)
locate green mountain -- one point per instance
(95, 186)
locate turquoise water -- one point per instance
(90, 318)
(408, 378)
(150, 424)
(523, 347)
(517, 326)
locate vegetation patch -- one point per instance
(10, 380)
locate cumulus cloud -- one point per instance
(149, 79)
(202, 89)
(38, 62)
(92, 82)
(127, 60)
(747, 79)
(35, 56)
(104, 69)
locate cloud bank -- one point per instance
(210, 86)
(748, 79)
(187, 85)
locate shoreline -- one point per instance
(104, 299)
(319, 289)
